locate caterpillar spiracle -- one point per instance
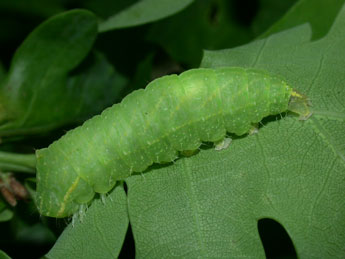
(174, 113)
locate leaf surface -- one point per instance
(100, 234)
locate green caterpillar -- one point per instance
(174, 113)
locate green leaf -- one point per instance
(208, 205)
(142, 12)
(35, 93)
(39, 95)
(319, 13)
(100, 234)
(5, 213)
(3, 255)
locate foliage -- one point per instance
(71, 64)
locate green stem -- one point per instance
(17, 162)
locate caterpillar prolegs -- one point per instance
(174, 113)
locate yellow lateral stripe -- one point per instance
(68, 193)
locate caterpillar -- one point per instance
(174, 113)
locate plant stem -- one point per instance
(17, 162)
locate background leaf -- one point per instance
(33, 94)
(5, 213)
(142, 12)
(3, 255)
(38, 95)
(320, 16)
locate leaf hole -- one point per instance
(128, 248)
(275, 240)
